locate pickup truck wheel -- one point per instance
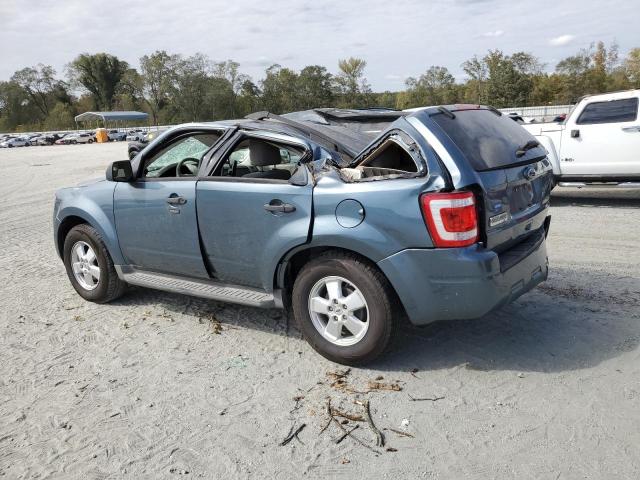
(89, 265)
(343, 308)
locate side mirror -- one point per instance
(120, 171)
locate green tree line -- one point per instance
(174, 88)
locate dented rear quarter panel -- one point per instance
(392, 217)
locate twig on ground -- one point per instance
(399, 432)
(293, 434)
(297, 399)
(425, 399)
(349, 416)
(344, 430)
(337, 374)
(346, 434)
(374, 429)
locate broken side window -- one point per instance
(395, 156)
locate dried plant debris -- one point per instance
(425, 399)
(400, 432)
(346, 434)
(334, 420)
(293, 433)
(216, 326)
(347, 416)
(339, 381)
(374, 429)
(393, 387)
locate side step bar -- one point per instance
(198, 288)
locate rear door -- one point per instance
(603, 139)
(511, 168)
(251, 212)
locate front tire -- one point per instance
(343, 307)
(89, 265)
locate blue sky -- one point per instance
(398, 38)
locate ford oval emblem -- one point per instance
(529, 173)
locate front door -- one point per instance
(252, 212)
(155, 215)
(604, 139)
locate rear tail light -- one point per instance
(451, 218)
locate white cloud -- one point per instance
(561, 40)
(496, 33)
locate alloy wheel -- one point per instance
(84, 264)
(338, 311)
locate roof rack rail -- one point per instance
(447, 112)
(494, 110)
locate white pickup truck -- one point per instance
(599, 141)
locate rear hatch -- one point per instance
(514, 175)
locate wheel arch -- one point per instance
(290, 265)
(71, 217)
(63, 230)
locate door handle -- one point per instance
(175, 199)
(634, 128)
(277, 206)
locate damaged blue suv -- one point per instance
(350, 218)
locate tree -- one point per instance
(434, 87)
(39, 83)
(279, 92)
(193, 85)
(314, 88)
(591, 70)
(100, 75)
(632, 67)
(501, 80)
(249, 98)
(351, 85)
(61, 116)
(14, 106)
(158, 74)
(476, 69)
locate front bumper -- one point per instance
(460, 283)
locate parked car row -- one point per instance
(69, 138)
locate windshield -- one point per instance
(487, 140)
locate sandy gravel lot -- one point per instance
(165, 386)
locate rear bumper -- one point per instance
(460, 283)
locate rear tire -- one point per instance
(332, 333)
(81, 245)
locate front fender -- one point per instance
(92, 204)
